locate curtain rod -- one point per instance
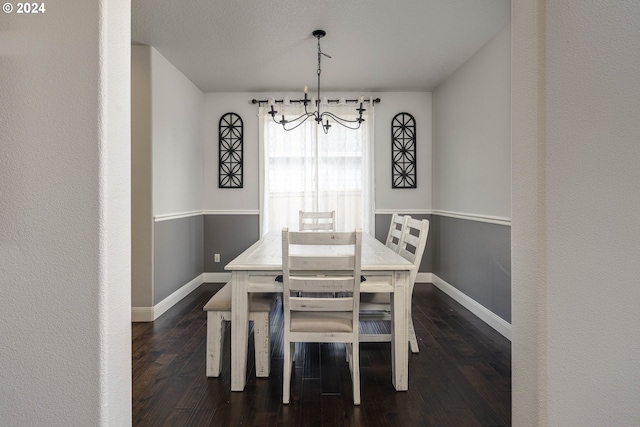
(335, 101)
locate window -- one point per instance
(305, 169)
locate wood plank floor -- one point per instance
(461, 377)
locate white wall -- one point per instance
(472, 134)
(176, 112)
(65, 340)
(405, 200)
(392, 103)
(593, 212)
(576, 237)
(215, 106)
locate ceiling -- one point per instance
(267, 46)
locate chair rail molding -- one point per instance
(500, 220)
(403, 211)
(231, 212)
(178, 215)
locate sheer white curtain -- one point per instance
(304, 169)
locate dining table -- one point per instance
(256, 270)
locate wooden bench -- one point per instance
(219, 311)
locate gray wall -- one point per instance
(229, 236)
(472, 256)
(475, 258)
(178, 254)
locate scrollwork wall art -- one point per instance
(403, 151)
(230, 132)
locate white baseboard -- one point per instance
(486, 315)
(149, 314)
(424, 278)
(142, 314)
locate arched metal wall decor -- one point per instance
(230, 132)
(403, 151)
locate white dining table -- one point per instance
(256, 268)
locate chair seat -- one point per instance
(309, 321)
(221, 301)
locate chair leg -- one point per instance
(355, 371)
(261, 343)
(215, 342)
(413, 340)
(289, 349)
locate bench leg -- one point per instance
(261, 343)
(215, 342)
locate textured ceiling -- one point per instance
(266, 45)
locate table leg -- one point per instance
(239, 329)
(400, 300)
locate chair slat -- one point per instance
(321, 238)
(321, 304)
(312, 221)
(336, 263)
(321, 284)
(396, 230)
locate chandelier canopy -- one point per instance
(317, 115)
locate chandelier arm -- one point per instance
(305, 115)
(284, 125)
(348, 125)
(340, 119)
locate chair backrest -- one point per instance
(321, 272)
(398, 224)
(325, 221)
(414, 240)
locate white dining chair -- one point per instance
(321, 296)
(396, 228)
(218, 310)
(411, 247)
(314, 221)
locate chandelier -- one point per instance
(317, 115)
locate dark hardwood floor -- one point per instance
(461, 377)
